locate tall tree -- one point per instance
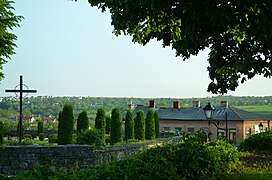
(1, 132)
(149, 125)
(238, 33)
(116, 126)
(66, 124)
(100, 122)
(157, 124)
(8, 20)
(108, 124)
(82, 122)
(139, 126)
(129, 125)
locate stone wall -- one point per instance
(14, 159)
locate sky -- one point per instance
(67, 48)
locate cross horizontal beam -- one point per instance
(18, 90)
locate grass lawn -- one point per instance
(261, 110)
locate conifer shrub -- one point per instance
(108, 124)
(157, 124)
(91, 137)
(261, 142)
(150, 125)
(139, 126)
(66, 124)
(82, 122)
(100, 121)
(40, 130)
(1, 132)
(129, 125)
(116, 126)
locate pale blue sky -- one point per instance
(68, 49)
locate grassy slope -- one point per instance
(262, 110)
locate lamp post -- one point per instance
(209, 111)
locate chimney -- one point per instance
(152, 103)
(224, 104)
(176, 105)
(196, 104)
(130, 105)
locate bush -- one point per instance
(129, 125)
(258, 142)
(150, 125)
(82, 122)
(139, 126)
(66, 124)
(41, 136)
(53, 138)
(91, 137)
(40, 127)
(27, 136)
(116, 126)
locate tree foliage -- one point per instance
(129, 125)
(157, 124)
(82, 122)
(100, 119)
(108, 124)
(116, 126)
(150, 125)
(66, 124)
(139, 126)
(238, 33)
(1, 132)
(8, 20)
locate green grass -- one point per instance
(261, 110)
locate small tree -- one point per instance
(108, 124)
(157, 124)
(100, 121)
(150, 125)
(82, 122)
(139, 128)
(40, 130)
(129, 125)
(66, 124)
(116, 126)
(1, 132)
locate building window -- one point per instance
(220, 132)
(232, 135)
(248, 132)
(178, 128)
(191, 130)
(166, 128)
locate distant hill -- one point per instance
(45, 105)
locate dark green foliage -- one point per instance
(193, 159)
(129, 125)
(157, 124)
(1, 132)
(40, 130)
(53, 138)
(139, 126)
(100, 121)
(8, 20)
(66, 124)
(27, 136)
(261, 142)
(108, 124)
(150, 125)
(82, 122)
(91, 137)
(116, 126)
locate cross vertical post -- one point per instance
(21, 91)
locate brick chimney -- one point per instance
(130, 105)
(196, 104)
(152, 103)
(224, 104)
(176, 105)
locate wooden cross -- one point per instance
(21, 91)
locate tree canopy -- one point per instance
(238, 33)
(8, 20)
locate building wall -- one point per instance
(236, 129)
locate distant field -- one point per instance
(262, 110)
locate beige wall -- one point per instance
(240, 127)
